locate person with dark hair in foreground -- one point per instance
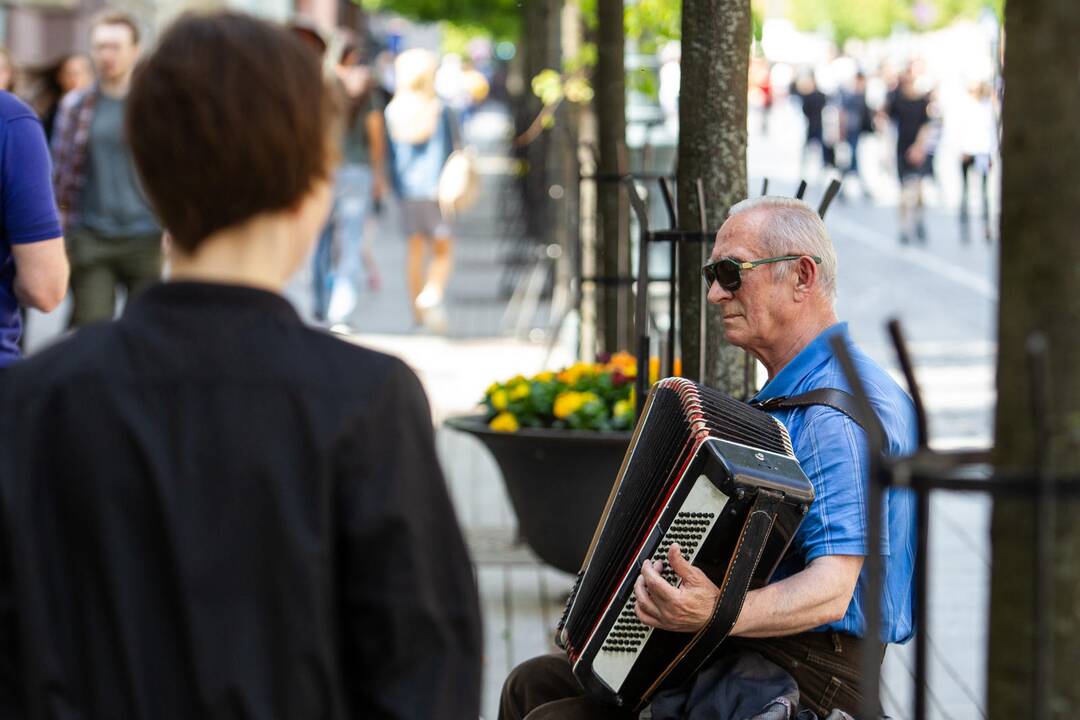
(208, 509)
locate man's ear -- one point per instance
(806, 277)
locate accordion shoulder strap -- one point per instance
(831, 397)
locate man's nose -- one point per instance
(717, 294)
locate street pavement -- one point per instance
(944, 292)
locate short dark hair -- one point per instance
(228, 118)
(110, 16)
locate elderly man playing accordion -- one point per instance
(772, 276)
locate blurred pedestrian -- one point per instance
(211, 510)
(360, 181)
(421, 131)
(761, 90)
(7, 72)
(975, 127)
(908, 108)
(33, 264)
(855, 119)
(113, 237)
(814, 102)
(65, 74)
(476, 90)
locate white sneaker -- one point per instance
(435, 318)
(428, 298)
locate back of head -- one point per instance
(228, 118)
(413, 115)
(414, 72)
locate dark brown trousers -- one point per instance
(825, 667)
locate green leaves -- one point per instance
(500, 18)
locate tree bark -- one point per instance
(1040, 290)
(712, 146)
(612, 204)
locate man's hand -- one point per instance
(682, 609)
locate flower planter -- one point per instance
(558, 482)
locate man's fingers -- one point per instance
(648, 619)
(679, 564)
(644, 602)
(655, 583)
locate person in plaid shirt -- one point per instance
(113, 238)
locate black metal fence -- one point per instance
(927, 471)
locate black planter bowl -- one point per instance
(558, 482)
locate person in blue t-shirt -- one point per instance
(33, 264)
(772, 276)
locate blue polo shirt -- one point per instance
(832, 449)
(27, 207)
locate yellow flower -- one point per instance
(623, 408)
(519, 391)
(576, 371)
(499, 399)
(568, 403)
(492, 388)
(504, 422)
(546, 376)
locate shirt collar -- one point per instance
(810, 357)
(206, 295)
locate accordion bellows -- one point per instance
(712, 474)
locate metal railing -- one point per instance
(927, 471)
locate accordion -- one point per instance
(705, 471)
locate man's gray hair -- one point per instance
(790, 227)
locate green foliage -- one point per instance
(548, 86)
(879, 18)
(850, 18)
(457, 36)
(757, 19)
(499, 18)
(652, 23)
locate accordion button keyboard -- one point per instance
(689, 528)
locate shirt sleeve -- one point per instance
(29, 208)
(833, 452)
(409, 600)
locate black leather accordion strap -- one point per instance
(744, 561)
(831, 397)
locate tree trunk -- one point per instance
(1040, 290)
(612, 204)
(542, 52)
(712, 146)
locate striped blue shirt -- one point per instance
(832, 450)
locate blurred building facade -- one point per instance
(37, 31)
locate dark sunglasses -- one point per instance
(728, 271)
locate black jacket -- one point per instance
(209, 510)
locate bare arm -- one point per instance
(816, 595)
(41, 273)
(376, 131)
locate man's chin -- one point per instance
(734, 332)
